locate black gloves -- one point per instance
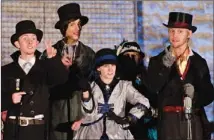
(84, 85)
(168, 59)
(121, 120)
(152, 112)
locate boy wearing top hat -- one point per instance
(181, 79)
(25, 84)
(65, 99)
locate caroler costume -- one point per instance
(131, 68)
(168, 83)
(28, 120)
(65, 100)
(107, 99)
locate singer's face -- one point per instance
(27, 44)
(134, 56)
(107, 71)
(179, 37)
(73, 31)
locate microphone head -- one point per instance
(18, 84)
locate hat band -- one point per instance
(181, 24)
(130, 48)
(70, 16)
(105, 57)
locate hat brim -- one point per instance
(107, 61)
(37, 32)
(142, 54)
(83, 20)
(192, 28)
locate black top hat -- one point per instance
(70, 11)
(180, 20)
(23, 27)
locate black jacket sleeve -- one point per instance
(56, 71)
(157, 74)
(6, 93)
(204, 87)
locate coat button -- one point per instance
(31, 102)
(32, 112)
(31, 92)
(21, 114)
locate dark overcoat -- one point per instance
(36, 84)
(167, 84)
(65, 98)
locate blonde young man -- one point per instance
(181, 79)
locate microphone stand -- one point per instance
(188, 111)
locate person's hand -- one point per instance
(84, 85)
(119, 120)
(17, 96)
(189, 90)
(3, 115)
(66, 60)
(76, 125)
(152, 112)
(168, 59)
(51, 51)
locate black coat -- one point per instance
(82, 67)
(36, 83)
(168, 86)
(65, 98)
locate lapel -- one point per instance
(186, 70)
(19, 71)
(97, 92)
(115, 93)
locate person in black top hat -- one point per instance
(25, 83)
(181, 79)
(79, 58)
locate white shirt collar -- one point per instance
(76, 44)
(22, 61)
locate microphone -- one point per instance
(187, 107)
(18, 84)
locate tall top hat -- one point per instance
(70, 11)
(180, 20)
(23, 27)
